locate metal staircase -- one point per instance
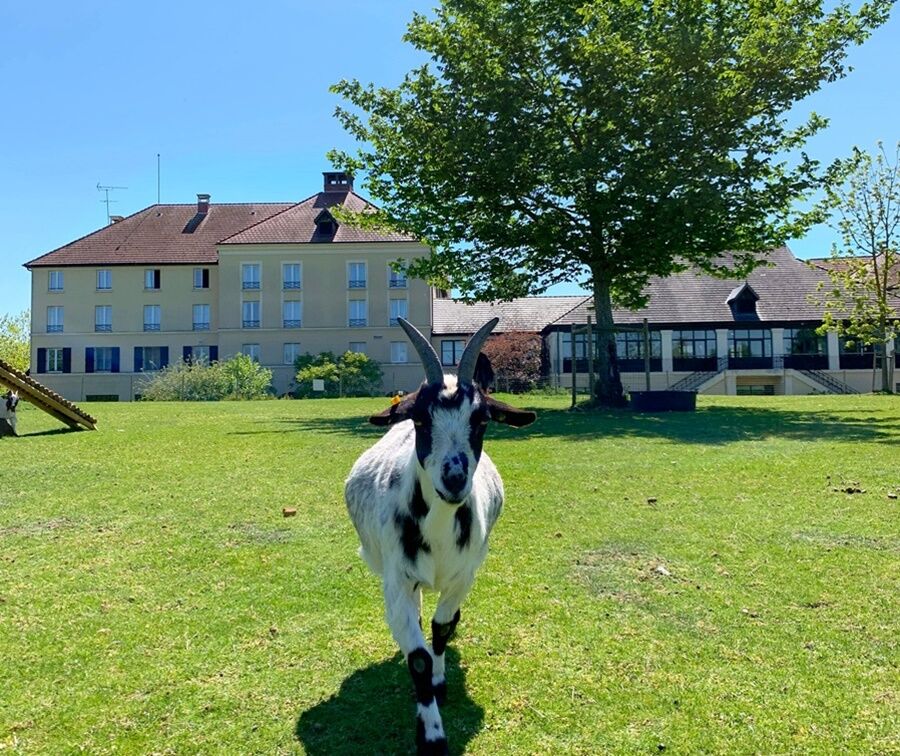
(693, 381)
(833, 385)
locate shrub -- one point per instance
(15, 343)
(351, 374)
(516, 359)
(237, 378)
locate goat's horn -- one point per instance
(466, 370)
(430, 361)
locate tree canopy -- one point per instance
(15, 340)
(599, 141)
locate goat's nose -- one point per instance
(454, 482)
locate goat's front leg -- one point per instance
(402, 602)
(443, 625)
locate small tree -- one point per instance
(862, 297)
(351, 374)
(247, 378)
(516, 360)
(15, 340)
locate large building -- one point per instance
(176, 282)
(274, 281)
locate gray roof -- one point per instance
(533, 314)
(783, 288)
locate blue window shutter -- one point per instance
(187, 353)
(42, 360)
(214, 354)
(67, 359)
(115, 360)
(138, 359)
(89, 359)
(163, 357)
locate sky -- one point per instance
(234, 98)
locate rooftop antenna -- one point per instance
(107, 190)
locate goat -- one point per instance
(10, 400)
(423, 501)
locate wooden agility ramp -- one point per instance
(44, 399)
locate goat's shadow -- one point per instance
(374, 712)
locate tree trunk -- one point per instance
(608, 385)
(886, 359)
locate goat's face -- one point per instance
(12, 401)
(449, 420)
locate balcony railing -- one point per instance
(857, 361)
(291, 285)
(250, 285)
(201, 326)
(357, 322)
(151, 326)
(357, 283)
(249, 324)
(694, 364)
(750, 363)
(396, 321)
(806, 361)
(102, 327)
(397, 283)
(291, 323)
(54, 329)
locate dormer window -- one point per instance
(742, 301)
(326, 225)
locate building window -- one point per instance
(291, 353)
(745, 343)
(398, 310)
(55, 280)
(292, 314)
(396, 280)
(357, 317)
(855, 346)
(398, 352)
(250, 276)
(104, 280)
(755, 389)
(580, 346)
(290, 273)
(251, 351)
(358, 347)
(103, 318)
(152, 279)
(150, 358)
(250, 316)
(804, 341)
(201, 317)
(630, 345)
(356, 275)
(201, 278)
(55, 360)
(451, 351)
(55, 319)
(103, 359)
(693, 344)
(151, 317)
(201, 354)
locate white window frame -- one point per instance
(55, 359)
(392, 318)
(200, 324)
(296, 322)
(103, 324)
(252, 351)
(358, 347)
(364, 319)
(396, 348)
(107, 274)
(150, 278)
(55, 319)
(353, 283)
(56, 280)
(294, 348)
(292, 285)
(457, 352)
(258, 319)
(201, 287)
(248, 284)
(397, 281)
(103, 367)
(200, 352)
(154, 323)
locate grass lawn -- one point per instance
(684, 583)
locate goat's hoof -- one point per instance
(440, 692)
(432, 747)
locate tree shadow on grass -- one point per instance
(708, 426)
(374, 713)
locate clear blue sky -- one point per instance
(235, 98)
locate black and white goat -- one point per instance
(423, 501)
(8, 403)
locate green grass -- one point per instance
(154, 599)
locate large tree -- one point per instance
(600, 141)
(862, 300)
(15, 340)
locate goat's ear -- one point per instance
(396, 412)
(509, 415)
(484, 373)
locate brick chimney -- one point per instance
(116, 219)
(338, 181)
(202, 204)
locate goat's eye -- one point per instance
(418, 423)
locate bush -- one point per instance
(15, 343)
(351, 374)
(516, 359)
(237, 378)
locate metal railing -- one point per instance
(831, 383)
(357, 322)
(102, 327)
(291, 323)
(249, 324)
(151, 326)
